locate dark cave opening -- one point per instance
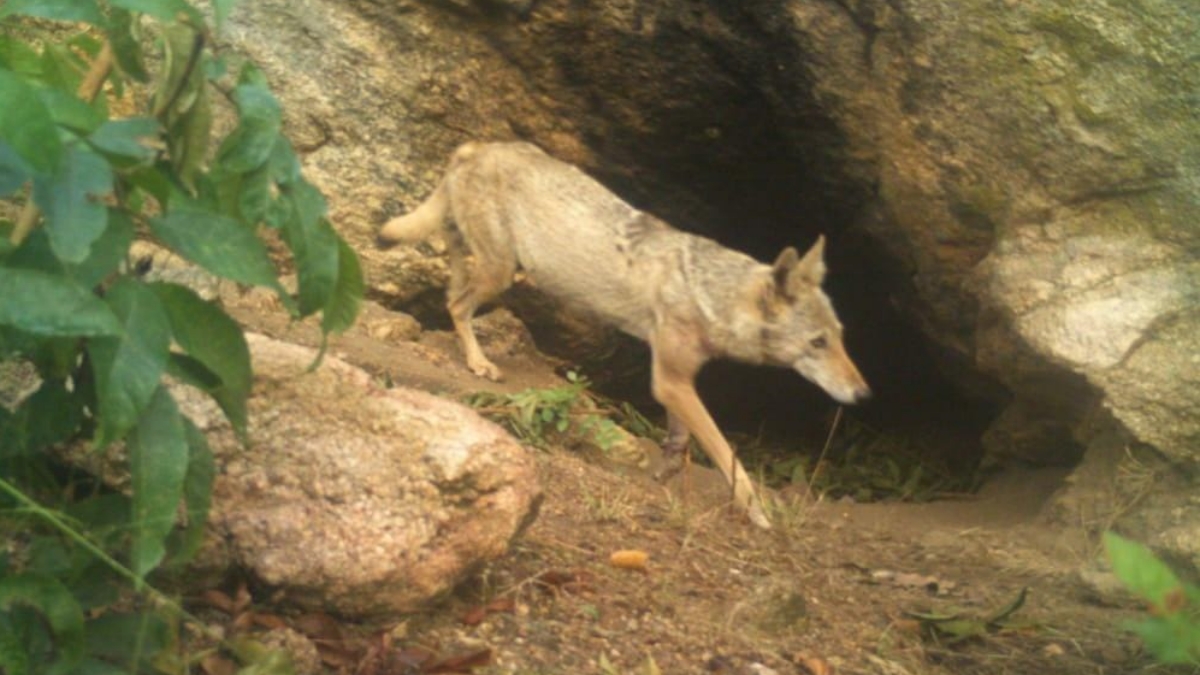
(757, 192)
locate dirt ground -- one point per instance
(836, 587)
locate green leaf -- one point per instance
(197, 493)
(35, 254)
(126, 47)
(163, 10)
(154, 181)
(62, 68)
(181, 102)
(50, 415)
(1139, 569)
(259, 121)
(192, 372)
(69, 199)
(126, 138)
(125, 637)
(216, 342)
(343, 306)
(13, 658)
(283, 165)
(217, 243)
(70, 112)
(254, 195)
(158, 459)
(20, 57)
(314, 245)
(14, 172)
(59, 10)
(53, 601)
(1171, 639)
(47, 304)
(107, 253)
(128, 368)
(26, 124)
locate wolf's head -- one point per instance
(801, 329)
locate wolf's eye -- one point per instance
(819, 342)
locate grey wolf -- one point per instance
(510, 206)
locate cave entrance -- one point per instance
(735, 167)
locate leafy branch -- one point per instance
(85, 184)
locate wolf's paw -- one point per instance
(485, 368)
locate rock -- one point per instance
(1017, 179)
(353, 498)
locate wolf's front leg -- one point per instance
(676, 362)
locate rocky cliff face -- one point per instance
(1018, 180)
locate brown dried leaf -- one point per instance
(269, 621)
(216, 664)
(463, 663)
(243, 621)
(337, 655)
(318, 626)
(566, 580)
(474, 616)
(814, 665)
(218, 600)
(506, 604)
(242, 599)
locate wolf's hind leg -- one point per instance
(468, 290)
(673, 448)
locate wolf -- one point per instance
(504, 207)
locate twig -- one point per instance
(93, 81)
(837, 418)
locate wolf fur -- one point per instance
(510, 206)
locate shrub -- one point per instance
(79, 184)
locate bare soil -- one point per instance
(834, 588)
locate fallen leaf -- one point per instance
(270, 621)
(463, 663)
(219, 600)
(216, 664)
(629, 560)
(242, 599)
(814, 665)
(318, 626)
(506, 604)
(564, 580)
(243, 621)
(337, 655)
(474, 616)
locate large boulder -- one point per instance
(354, 498)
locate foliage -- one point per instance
(955, 626)
(83, 183)
(1171, 632)
(534, 415)
(866, 465)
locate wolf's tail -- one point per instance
(419, 224)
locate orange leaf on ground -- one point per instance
(630, 560)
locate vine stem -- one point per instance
(93, 81)
(139, 585)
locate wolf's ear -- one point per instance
(811, 267)
(781, 271)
